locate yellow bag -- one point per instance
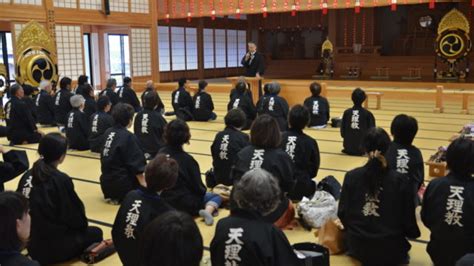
(331, 236)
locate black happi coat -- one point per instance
(203, 106)
(275, 161)
(15, 258)
(128, 95)
(244, 103)
(416, 167)
(449, 242)
(378, 238)
(306, 159)
(319, 109)
(45, 108)
(77, 130)
(254, 66)
(21, 125)
(62, 106)
(58, 218)
(160, 107)
(150, 205)
(353, 137)
(187, 195)
(121, 162)
(276, 107)
(149, 127)
(10, 168)
(182, 104)
(262, 243)
(222, 161)
(8, 110)
(30, 102)
(233, 93)
(99, 123)
(113, 97)
(90, 107)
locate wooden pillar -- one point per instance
(155, 68)
(332, 25)
(324, 90)
(465, 103)
(200, 46)
(439, 108)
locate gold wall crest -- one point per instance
(453, 42)
(327, 45)
(35, 55)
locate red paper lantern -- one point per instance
(394, 5)
(325, 8)
(432, 4)
(357, 7)
(265, 11)
(293, 9)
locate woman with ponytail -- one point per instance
(59, 229)
(377, 208)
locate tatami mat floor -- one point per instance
(435, 130)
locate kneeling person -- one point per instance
(100, 122)
(77, 128)
(145, 204)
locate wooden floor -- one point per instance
(435, 130)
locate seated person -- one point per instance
(160, 173)
(257, 242)
(58, 214)
(62, 102)
(14, 229)
(127, 94)
(77, 127)
(448, 206)
(29, 99)
(356, 121)
(21, 127)
(318, 107)
(248, 92)
(377, 208)
(100, 122)
(182, 101)
(276, 106)
(264, 98)
(109, 91)
(244, 103)
(90, 106)
(304, 152)
(203, 105)
(149, 87)
(12, 166)
(170, 234)
(265, 152)
(189, 194)
(149, 126)
(227, 144)
(82, 83)
(402, 156)
(45, 104)
(122, 161)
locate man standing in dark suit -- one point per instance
(253, 62)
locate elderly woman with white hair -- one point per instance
(276, 106)
(160, 107)
(254, 241)
(45, 104)
(77, 125)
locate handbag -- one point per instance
(311, 254)
(210, 178)
(331, 185)
(98, 251)
(331, 236)
(336, 122)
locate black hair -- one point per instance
(298, 117)
(267, 88)
(14, 89)
(161, 173)
(86, 92)
(28, 89)
(265, 132)
(102, 102)
(358, 96)
(460, 157)
(376, 139)
(240, 87)
(404, 129)
(126, 80)
(182, 81)
(83, 79)
(13, 206)
(122, 114)
(177, 133)
(51, 148)
(172, 239)
(64, 83)
(235, 118)
(315, 89)
(150, 100)
(202, 85)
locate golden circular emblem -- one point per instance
(451, 45)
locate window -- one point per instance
(223, 48)
(177, 48)
(119, 57)
(6, 54)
